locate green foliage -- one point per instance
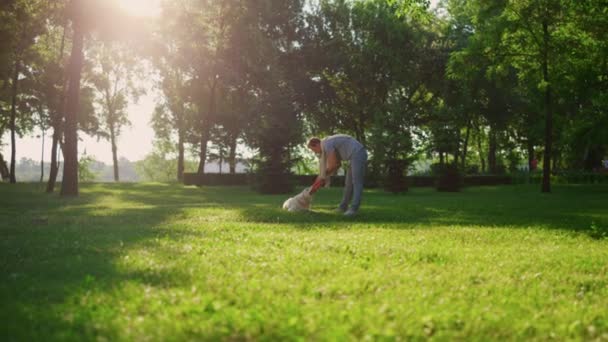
(21, 24)
(502, 62)
(156, 168)
(161, 164)
(473, 83)
(114, 77)
(84, 168)
(164, 262)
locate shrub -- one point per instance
(84, 168)
(472, 170)
(395, 180)
(450, 179)
(272, 183)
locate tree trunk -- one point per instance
(457, 149)
(361, 128)
(56, 122)
(492, 146)
(232, 156)
(555, 160)
(479, 147)
(463, 159)
(69, 185)
(4, 173)
(42, 159)
(114, 153)
(13, 179)
(530, 149)
(203, 151)
(546, 186)
(221, 160)
(180, 155)
(360, 133)
(54, 168)
(205, 127)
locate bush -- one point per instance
(472, 170)
(426, 181)
(84, 168)
(373, 176)
(481, 180)
(395, 180)
(271, 183)
(564, 177)
(450, 179)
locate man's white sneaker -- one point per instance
(350, 213)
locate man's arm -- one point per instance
(332, 166)
(332, 163)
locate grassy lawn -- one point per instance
(166, 262)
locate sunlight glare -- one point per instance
(141, 8)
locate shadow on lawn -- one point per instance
(568, 208)
(575, 208)
(55, 250)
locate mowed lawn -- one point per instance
(166, 262)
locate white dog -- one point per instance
(299, 202)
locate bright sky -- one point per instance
(136, 140)
(145, 8)
(134, 143)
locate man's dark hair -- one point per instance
(314, 142)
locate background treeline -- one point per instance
(475, 86)
(149, 169)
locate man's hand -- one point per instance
(316, 185)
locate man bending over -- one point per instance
(332, 150)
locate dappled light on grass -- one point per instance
(156, 262)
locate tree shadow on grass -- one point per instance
(54, 251)
(573, 208)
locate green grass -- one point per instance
(165, 262)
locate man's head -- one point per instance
(314, 144)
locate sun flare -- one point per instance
(140, 8)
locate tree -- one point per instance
(585, 99)
(55, 88)
(176, 114)
(114, 80)
(529, 47)
(276, 126)
(201, 38)
(45, 87)
(69, 186)
(370, 67)
(24, 21)
(531, 23)
(85, 16)
(233, 116)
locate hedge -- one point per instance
(244, 179)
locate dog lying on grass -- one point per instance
(299, 202)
